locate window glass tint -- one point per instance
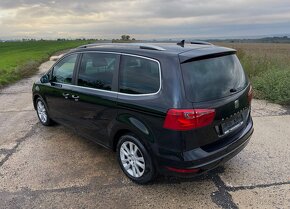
(63, 71)
(139, 75)
(213, 78)
(96, 70)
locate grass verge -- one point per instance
(268, 68)
(21, 59)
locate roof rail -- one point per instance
(201, 42)
(88, 45)
(151, 47)
(141, 46)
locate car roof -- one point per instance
(155, 50)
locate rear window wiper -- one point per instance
(233, 90)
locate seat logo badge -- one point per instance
(237, 104)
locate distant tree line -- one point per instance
(283, 39)
(124, 39)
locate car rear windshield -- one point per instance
(213, 78)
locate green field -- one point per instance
(268, 67)
(21, 59)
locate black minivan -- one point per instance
(164, 108)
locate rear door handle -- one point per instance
(75, 97)
(65, 95)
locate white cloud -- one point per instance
(143, 19)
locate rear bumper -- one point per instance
(199, 161)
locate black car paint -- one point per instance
(103, 116)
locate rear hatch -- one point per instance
(216, 82)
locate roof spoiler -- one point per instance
(205, 53)
(201, 42)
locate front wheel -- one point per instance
(134, 160)
(42, 112)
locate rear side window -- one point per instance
(213, 78)
(97, 70)
(139, 75)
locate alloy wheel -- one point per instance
(41, 111)
(132, 159)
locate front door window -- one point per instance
(63, 71)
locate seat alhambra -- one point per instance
(173, 109)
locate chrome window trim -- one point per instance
(83, 87)
(119, 53)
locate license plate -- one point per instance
(232, 124)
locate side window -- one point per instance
(138, 75)
(97, 70)
(63, 71)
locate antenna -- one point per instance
(181, 43)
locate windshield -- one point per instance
(213, 78)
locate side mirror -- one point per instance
(44, 78)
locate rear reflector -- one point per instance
(177, 170)
(250, 94)
(188, 119)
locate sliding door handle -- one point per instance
(75, 97)
(65, 95)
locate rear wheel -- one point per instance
(42, 112)
(134, 160)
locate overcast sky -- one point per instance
(145, 19)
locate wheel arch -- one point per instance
(35, 97)
(135, 132)
(117, 137)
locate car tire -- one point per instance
(134, 159)
(42, 112)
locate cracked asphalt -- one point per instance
(51, 167)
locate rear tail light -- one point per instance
(187, 119)
(250, 94)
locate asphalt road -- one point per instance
(50, 167)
